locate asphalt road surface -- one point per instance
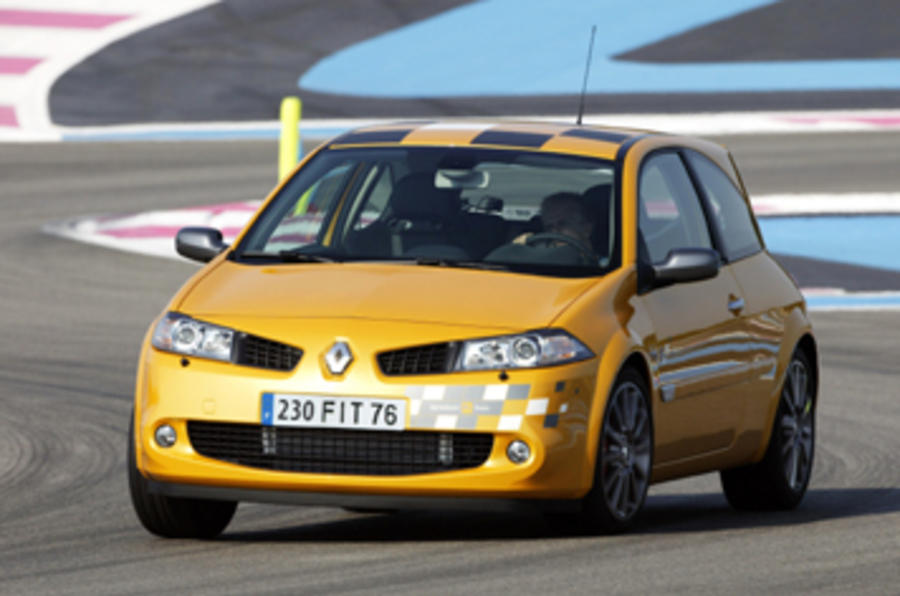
(72, 318)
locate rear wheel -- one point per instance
(174, 517)
(624, 456)
(780, 480)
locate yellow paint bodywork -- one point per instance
(382, 306)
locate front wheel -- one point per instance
(174, 517)
(780, 480)
(624, 456)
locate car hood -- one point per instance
(381, 291)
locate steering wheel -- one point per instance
(551, 238)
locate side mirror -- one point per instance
(686, 264)
(199, 244)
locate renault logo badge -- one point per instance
(338, 358)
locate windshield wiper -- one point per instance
(435, 262)
(287, 256)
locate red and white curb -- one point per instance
(153, 232)
(875, 203)
(41, 39)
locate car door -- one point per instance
(756, 274)
(698, 349)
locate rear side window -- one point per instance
(730, 212)
(670, 216)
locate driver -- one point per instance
(564, 213)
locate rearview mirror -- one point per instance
(199, 244)
(686, 264)
(463, 179)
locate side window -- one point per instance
(669, 215)
(731, 214)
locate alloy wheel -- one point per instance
(796, 426)
(626, 446)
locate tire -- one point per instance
(624, 457)
(174, 517)
(779, 481)
(368, 511)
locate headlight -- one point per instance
(527, 350)
(183, 335)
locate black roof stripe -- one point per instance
(595, 135)
(512, 138)
(373, 136)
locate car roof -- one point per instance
(586, 140)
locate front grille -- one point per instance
(418, 360)
(328, 451)
(265, 353)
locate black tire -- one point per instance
(624, 457)
(779, 481)
(174, 517)
(368, 511)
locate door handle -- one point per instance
(735, 304)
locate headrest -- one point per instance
(596, 200)
(415, 196)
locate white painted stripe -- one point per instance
(734, 123)
(12, 86)
(826, 203)
(495, 392)
(415, 405)
(537, 406)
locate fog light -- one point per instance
(518, 452)
(165, 435)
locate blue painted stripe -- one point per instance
(868, 240)
(886, 301)
(540, 49)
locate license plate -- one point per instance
(319, 411)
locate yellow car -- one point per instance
(479, 315)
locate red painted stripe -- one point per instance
(8, 117)
(156, 232)
(17, 64)
(879, 121)
(68, 20)
(885, 121)
(222, 208)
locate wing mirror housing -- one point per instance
(685, 265)
(199, 244)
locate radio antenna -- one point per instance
(587, 70)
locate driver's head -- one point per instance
(565, 213)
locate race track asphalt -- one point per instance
(72, 318)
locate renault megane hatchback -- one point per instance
(485, 316)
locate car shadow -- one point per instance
(710, 511)
(663, 514)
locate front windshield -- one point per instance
(520, 210)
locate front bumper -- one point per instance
(363, 501)
(548, 408)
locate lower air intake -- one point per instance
(328, 451)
